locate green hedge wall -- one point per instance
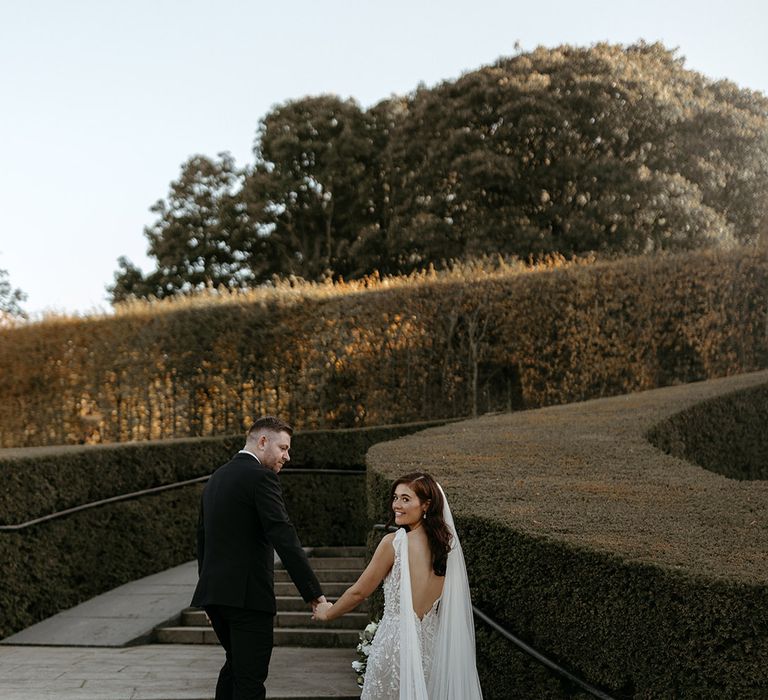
(727, 434)
(638, 570)
(56, 564)
(47, 479)
(632, 628)
(427, 347)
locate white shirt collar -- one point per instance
(248, 452)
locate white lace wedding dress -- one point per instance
(382, 674)
(432, 658)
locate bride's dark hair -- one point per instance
(438, 534)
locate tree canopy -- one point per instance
(619, 150)
(10, 298)
(199, 237)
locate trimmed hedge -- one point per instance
(726, 435)
(640, 571)
(56, 564)
(427, 347)
(43, 480)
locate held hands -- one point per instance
(320, 612)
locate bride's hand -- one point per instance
(321, 612)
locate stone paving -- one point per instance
(163, 672)
(125, 615)
(81, 653)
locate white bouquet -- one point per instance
(363, 650)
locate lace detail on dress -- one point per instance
(382, 675)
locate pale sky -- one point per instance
(102, 101)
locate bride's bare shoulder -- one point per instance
(385, 552)
(388, 539)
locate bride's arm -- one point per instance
(377, 569)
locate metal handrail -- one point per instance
(523, 646)
(145, 492)
(103, 501)
(541, 658)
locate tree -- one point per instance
(201, 237)
(10, 298)
(610, 149)
(613, 149)
(311, 190)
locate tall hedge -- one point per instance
(43, 480)
(643, 572)
(441, 346)
(726, 434)
(56, 564)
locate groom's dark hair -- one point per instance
(270, 423)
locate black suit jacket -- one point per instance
(242, 523)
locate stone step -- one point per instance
(331, 694)
(330, 563)
(330, 588)
(295, 603)
(186, 635)
(339, 575)
(287, 636)
(191, 617)
(316, 637)
(350, 621)
(289, 615)
(325, 563)
(360, 551)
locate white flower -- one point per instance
(363, 651)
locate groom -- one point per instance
(242, 523)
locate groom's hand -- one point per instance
(317, 602)
(320, 613)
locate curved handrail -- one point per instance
(145, 492)
(523, 646)
(541, 658)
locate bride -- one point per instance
(424, 648)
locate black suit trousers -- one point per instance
(247, 637)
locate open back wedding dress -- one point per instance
(432, 658)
